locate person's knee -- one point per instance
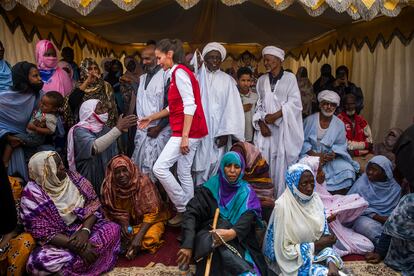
(158, 170)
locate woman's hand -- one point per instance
(126, 122)
(332, 269)
(325, 241)
(89, 254)
(184, 147)
(331, 218)
(144, 122)
(134, 247)
(264, 129)
(225, 234)
(380, 219)
(79, 240)
(184, 256)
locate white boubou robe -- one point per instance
(224, 115)
(283, 147)
(149, 101)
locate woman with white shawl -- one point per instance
(297, 240)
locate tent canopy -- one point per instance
(123, 26)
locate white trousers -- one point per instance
(179, 195)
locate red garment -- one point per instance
(355, 133)
(175, 103)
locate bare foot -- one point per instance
(373, 258)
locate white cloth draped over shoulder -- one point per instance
(149, 101)
(282, 148)
(224, 115)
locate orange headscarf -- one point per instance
(140, 190)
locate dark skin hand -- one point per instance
(264, 129)
(222, 141)
(247, 107)
(81, 237)
(380, 219)
(332, 269)
(63, 241)
(325, 241)
(271, 118)
(124, 233)
(373, 258)
(323, 157)
(184, 256)
(153, 132)
(136, 242)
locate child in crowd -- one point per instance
(248, 98)
(42, 124)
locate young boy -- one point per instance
(248, 98)
(42, 124)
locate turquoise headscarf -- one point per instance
(233, 198)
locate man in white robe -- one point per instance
(278, 117)
(223, 110)
(151, 98)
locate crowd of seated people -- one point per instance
(96, 162)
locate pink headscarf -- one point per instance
(60, 80)
(87, 119)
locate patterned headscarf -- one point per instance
(92, 87)
(293, 175)
(140, 191)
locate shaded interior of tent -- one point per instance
(372, 38)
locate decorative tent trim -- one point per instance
(380, 30)
(365, 9)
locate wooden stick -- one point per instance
(210, 257)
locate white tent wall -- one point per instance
(18, 49)
(385, 76)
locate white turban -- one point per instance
(274, 51)
(329, 96)
(214, 46)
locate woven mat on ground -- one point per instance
(362, 268)
(150, 270)
(351, 269)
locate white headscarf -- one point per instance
(87, 119)
(64, 194)
(297, 218)
(329, 96)
(214, 46)
(274, 51)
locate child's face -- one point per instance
(244, 82)
(47, 105)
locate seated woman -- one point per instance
(54, 77)
(325, 137)
(377, 186)
(358, 132)
(130, 199)
(16, 108)
(62, 212)
(298, 238)
(91, 144)
(16, 245)
(340, 210)
(233, 244)
(257, 175)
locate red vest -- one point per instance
(175, 103)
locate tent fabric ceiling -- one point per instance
(365, 9)
(246, 26)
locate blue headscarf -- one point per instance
(293, 175)
(5, 76)
(382, 197)
(233, 198)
